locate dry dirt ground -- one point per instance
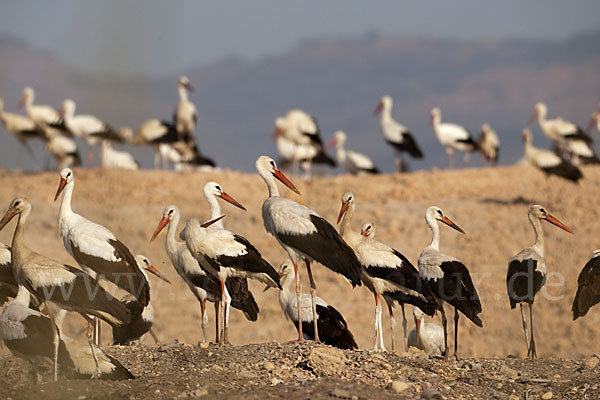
(490, 204)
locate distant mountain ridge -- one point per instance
(339, 80)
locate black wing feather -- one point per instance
(588, 288)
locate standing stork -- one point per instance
(43, 116)
(387, 272)
(353, 162)
(588, 287)
(304, 235)
(396, 134)
(143, 317)
(88, 127)
(548, 162)
(22, 128)
(489, 144)
(452, 137)
(184, 114)
(527, 271)
(332, 326)
(60, 286)
(96, 249)
(226, 255)
(448, 277)
(426, 336)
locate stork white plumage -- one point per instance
(304, 235)
(448, 278)
(489, 144)
(88, 127)
(588, 287)
(557, 129)
(111, 158)
(352, 161)
(63, 149)
(332, 326)
(96, 249)
(426, 336)
(143, 317)
(21, 127)
(225, 254)
(452, 137)
(184, 115)
(548, 162)
(527, 271)
(43, 116)
(8, 285)
(396, 134)
(60, 286)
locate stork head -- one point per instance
(434, 213)
(267, 167)
(214, 189)
(595, 118)
(67, 108)
(66, 177)
(347, 201)
(384, 104)
(185, 82)
(485, 129)
(368, 230)
(540, 109)
(169, 213)
(286, 272)
(144, 264)
(1, 104)
(338, 137)
(436, 115)
(539, 212)
(18, 205)
(27, 95)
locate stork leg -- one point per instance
(380, 327)
(375, 337)
(97, 331)
(204, 317)
(56, 339)
(466, 158)
(445, 325)
(222, 325)
(450, 153)
(299, 303)
(90, 156)
(226, 321)
(217, 319)
(153, 334)
(393, 324)
(524, 328)
(97, 372)
(456, 316)
(404, 325)
(531, 353)
(313, 291)
(157, 158)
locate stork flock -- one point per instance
(173, 140)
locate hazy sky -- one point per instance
(158, 37)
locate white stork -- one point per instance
(60, 286)
(111, 158)
(226, 255)
(184, 115)
(527, 271)
(304, 235)
(21, 127)
(489, 144)
(143, 317)
(448, 277)
(354, 162)
(42, 116)
(426, 336)
(28, 334)
(396, 134)
(155, 132)
(63, 149)
(8, 285)
(332, 326)
(548, 162)
(595, 120)
(452, 137)
(588, 287)
(203, 285)
(88, 127)
(388, 273)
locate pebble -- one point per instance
(399, 386)
(513, 397)
(276, 381)
(547, 396)
(508, 371)
(591, 362)
(269, 366)
(431, 394)
(205, 345)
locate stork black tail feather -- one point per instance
(242, 298)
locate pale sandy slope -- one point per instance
(489, 204)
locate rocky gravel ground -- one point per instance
(308, 370)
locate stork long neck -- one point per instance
(183, 96)
(539, 234)
(215, 211)
(345, 227)
(65, 203)
(435, 233)
(23, 296)
(272, 186)
(17, 246)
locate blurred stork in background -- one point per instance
(489, 144)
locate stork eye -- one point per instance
(350, 198)
(218, 188)
(170, 212)
(439, 212)
(17, 203)
(68, 174)
(272, 163)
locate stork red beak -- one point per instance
(21, 101)
(276, 133)
(8, 215)
(331, 143)
(364, 233)
(283, 179)
(378, 109)
(209, 223)
(150, 268)
(281, 275)
(231, 200)
(431, 120)
(342, 211)
(61, 186)
(556, 222)
(451, 224)
(163, 222)
(593, 120)
(188, 86)
(532, 117)
(61, 112)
